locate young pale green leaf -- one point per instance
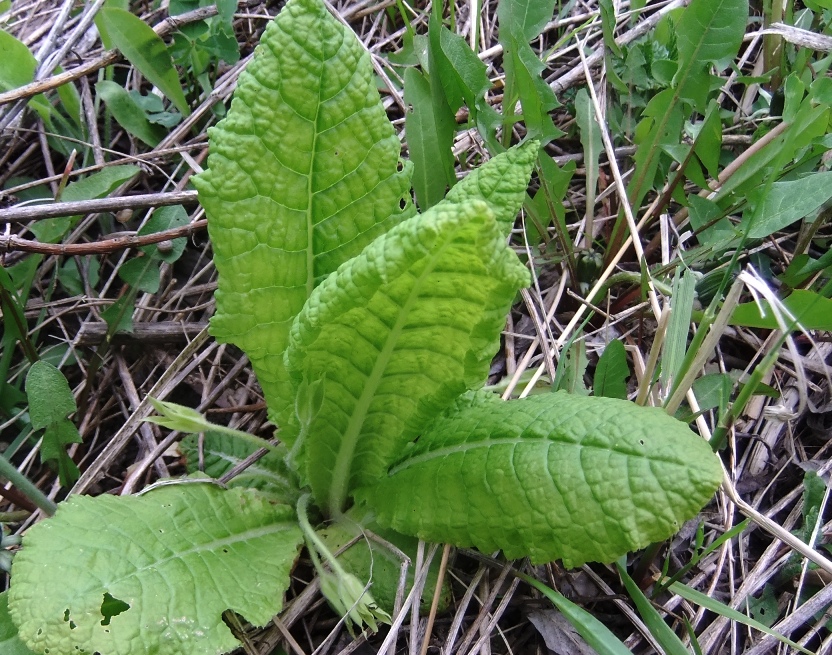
(128, 114)
(612, 372)
(145, 50)
(429, 131)
(787, 202)
(221, 452)
(302, 175)
(10, 643)
(398, 333)
(501, 182)
(152, 575)
(551, 476)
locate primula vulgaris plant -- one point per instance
(368, 327)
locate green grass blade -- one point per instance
(596, 634)
(668, 639)
(723, 610)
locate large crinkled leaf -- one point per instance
(396, 334)
(152, 574)
(303, 173)
(552, 476)
(10, 643)
(501, 182)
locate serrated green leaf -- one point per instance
(128, 114)
(501, 182)
(10, 643)
(302, 175)
(178, 556)
(221, 453)
(429, 139)
(787, 202)
(397, 333)
(551, 476)
(612, 372)
(166, 218)
(50, 398)
(145, 50)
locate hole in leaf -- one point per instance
(399, 166)
(225, 550)
(72, 625)
(111, 607)
(66, 615)
(402, 203)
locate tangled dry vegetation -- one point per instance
(557, 330)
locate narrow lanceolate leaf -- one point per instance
(396, 334)
(127, 575)
(145, 50)
(501, 182)
(302, 175)
(552, 476)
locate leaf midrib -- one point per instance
(342, 470)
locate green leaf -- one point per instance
(596, 634)
(17, 63)
(166, 218)
(811, 310)
(178, 557)
(787, 202)
(142, 273)
(370, 560)
(10, 643)
(145, 50)
(128, 114)
(50, 399)
(398, 333)
(119, 315)
(592, 143)
(550, 476)
(302, 175)
(501, 182)
(523, 79)
(708, 31)
(676, 339)
(612, 372)
(222, 452)
(429, 139)
(97, 185)
(525, 18)
(608, 21)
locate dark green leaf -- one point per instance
(142, 273)
(524, 18)
(787, 202)
(50, 399)
(612, 372)
(429, 140)
(128, 114)
(166, 218)
(145, 50)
